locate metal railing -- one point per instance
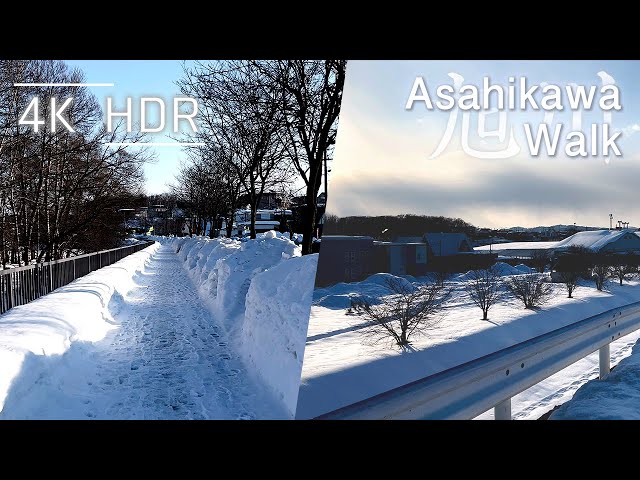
(467, 390)
(22, 285)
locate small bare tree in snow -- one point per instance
(531, 289)
(600, 273)
(623, 271)
(570, 280)
(484, 289)
(408, 310)
(439, 277)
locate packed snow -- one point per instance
(261, 290)
(341, 368)
(145, 339)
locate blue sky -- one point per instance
(382, 163)
(138, 78)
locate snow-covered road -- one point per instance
(166, 359)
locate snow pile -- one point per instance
(339, 296)
(78, 312)
(524, 268)
(278, 304)
(260, 292)
(617, 397)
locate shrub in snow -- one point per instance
(623, 271)
(531, 289)
(408, 310)
(570, 281)
(439, 277)
(484, 288)
(599, 274)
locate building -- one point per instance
(266, 219)
(597, 241)
(603, 241)
(401, 258)
(447, 244)
(352, 258)
(345, 259)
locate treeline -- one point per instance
(388, 227)
(59, 190)
(266, 126)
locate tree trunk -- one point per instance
(309, 224)
(230, 225)
(254, 209)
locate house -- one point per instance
(345, 259)
(446, 244)
(401, 258)
(352, 258)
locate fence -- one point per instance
(467, 390)
(24, 284)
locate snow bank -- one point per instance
(260, 291)
(76, 312)
(617, 397)
(223, 268)
(278, 304)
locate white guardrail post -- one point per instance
(467, 390)
(502, 411)
(605, 360)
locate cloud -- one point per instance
(582, 192)
(630, 130)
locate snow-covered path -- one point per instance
(166, 359)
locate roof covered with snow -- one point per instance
(598, 240)
(517, 246)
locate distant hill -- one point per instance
(388, 227)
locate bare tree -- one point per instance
(410, 309)
(531, 289)
(60, 189)
(241, 110)
(623, 271)
(313, 95)
(484, 289)
(439, 277)
(600, 273)
(570, 281)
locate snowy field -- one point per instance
(341, 367)
(161, 335)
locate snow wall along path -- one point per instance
(260, 291)
(76, 312)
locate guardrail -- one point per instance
(467, 390)
(22, 285)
